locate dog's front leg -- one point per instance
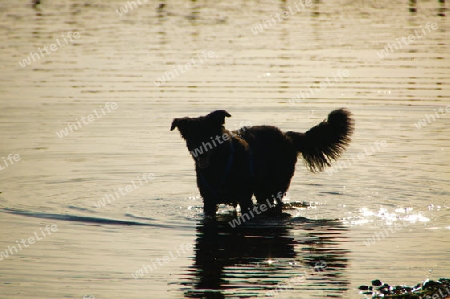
(209, 207)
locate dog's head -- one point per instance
(202, 134)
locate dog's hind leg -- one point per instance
(269, 197)
(246, 204)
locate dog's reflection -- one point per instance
(252, 259)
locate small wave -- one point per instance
(75, 218)
(78, 208)
(138, 217)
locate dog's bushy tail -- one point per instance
(325, 142)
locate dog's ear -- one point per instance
(182, 124)
(218, 116)
(174, 123)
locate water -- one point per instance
(383, 214)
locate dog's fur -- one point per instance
(257, 160)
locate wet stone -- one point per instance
(376, 283)
(421, 290)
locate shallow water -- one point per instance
(383, 213)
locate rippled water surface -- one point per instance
(96, 71)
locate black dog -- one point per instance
(259, 160)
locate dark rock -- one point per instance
(376, 283)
